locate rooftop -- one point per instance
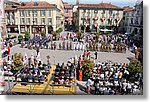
(68, 6)
(35, 5)
(128, 9)
(101, 6)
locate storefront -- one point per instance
(12, 28)
(22, 28)
(38, 29)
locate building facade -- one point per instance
(68, 15)
(93, 17)
(128, 19)
(5, 3)
(134, 20)
(34, 17)
(60, 6)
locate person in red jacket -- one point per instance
(8, 50)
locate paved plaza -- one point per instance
(60, 56)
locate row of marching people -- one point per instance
(103, 47)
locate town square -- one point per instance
(56, 47)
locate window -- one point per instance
(88, 13)
(21, 13)
(103, 12)
(84, 11)
(95, 11)
(34, 12)
(117, 13)
(110, 12)
(50, 21)
(42, 12)
(83, 14)
(35, 21)
(22, 30)
(131, 20)
(50, 13)
(35, 3)
(28, 21)
(43, 21)
(28, 13)
(22, 21)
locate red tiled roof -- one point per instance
(128, 9)
(101, 5)
(30, 5)
(68, 6)
(10, 8)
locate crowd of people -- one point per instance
(33, 70)
(107, 78)
(110, 43)
(64, 74)
(113, 78)
(36, 42)
(6, 45)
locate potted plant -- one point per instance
(20, 38)
(27, 36)
(87, 68)
(43, 34)
(17, 62)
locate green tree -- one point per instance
(27, 36)
(134, 67)
(17, 62)
(43, 34)
(87, 68)
(20, 38)
(59, 30)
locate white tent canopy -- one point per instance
(106, 30)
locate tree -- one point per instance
(17, 62)
(59, 30)
(43, 34)
(134, 67)
(26, 36)
(20, 38)
(87, 68)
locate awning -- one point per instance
(106, 30)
